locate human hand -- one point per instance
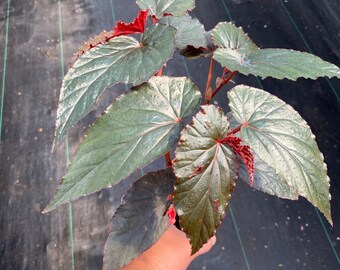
(171, 252)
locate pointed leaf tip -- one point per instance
(237, 52)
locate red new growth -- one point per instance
(243, 151)
(172, 214)
(136, 27)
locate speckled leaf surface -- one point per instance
(267, 180)
(160, 7)
(282, 139)
(121, 59)
(140, 221)
(206, 172)
(189, 31)
(139, 127)
(237, 52)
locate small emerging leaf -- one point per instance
(137, 26)
(206, 170)
(139, 127)
(238, 53)
(160, 8)
(140, 221)
(122, 59)
(282, 139)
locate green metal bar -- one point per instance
(5, 68)
(66, 139)
(113, 12)
(239, 237)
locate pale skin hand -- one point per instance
(172, 251)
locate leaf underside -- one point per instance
(238, 53)
(139, 127)
(282, 139)
(206, 172)
(139, 222)
(163, 7)
(121, 59)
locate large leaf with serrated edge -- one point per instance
(189, 31)
(206, 170)
(282, 139)
(160, 8)
(139, 127)
(265, 177)
(238, 53)
(140, 220)
(121, 59)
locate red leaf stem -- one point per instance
(225, 81)
(208, 93)
(168, 161)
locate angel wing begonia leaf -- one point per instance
(206, 172)
(139, 127)
(121, 59)
(281, 138)
(140, 220)
(238, 53)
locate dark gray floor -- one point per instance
(260, 232)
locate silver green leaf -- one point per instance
(267, 180)
(139, 127)
(238, 53)
(190, 32)
(227, 35)
(281, 138)
(140, 220)
(206, 172)
(160, 7)
(122, 59)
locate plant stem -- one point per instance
(234, 131)
(225, 81)
(168, 161)
(208, 94)
(160, 72)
